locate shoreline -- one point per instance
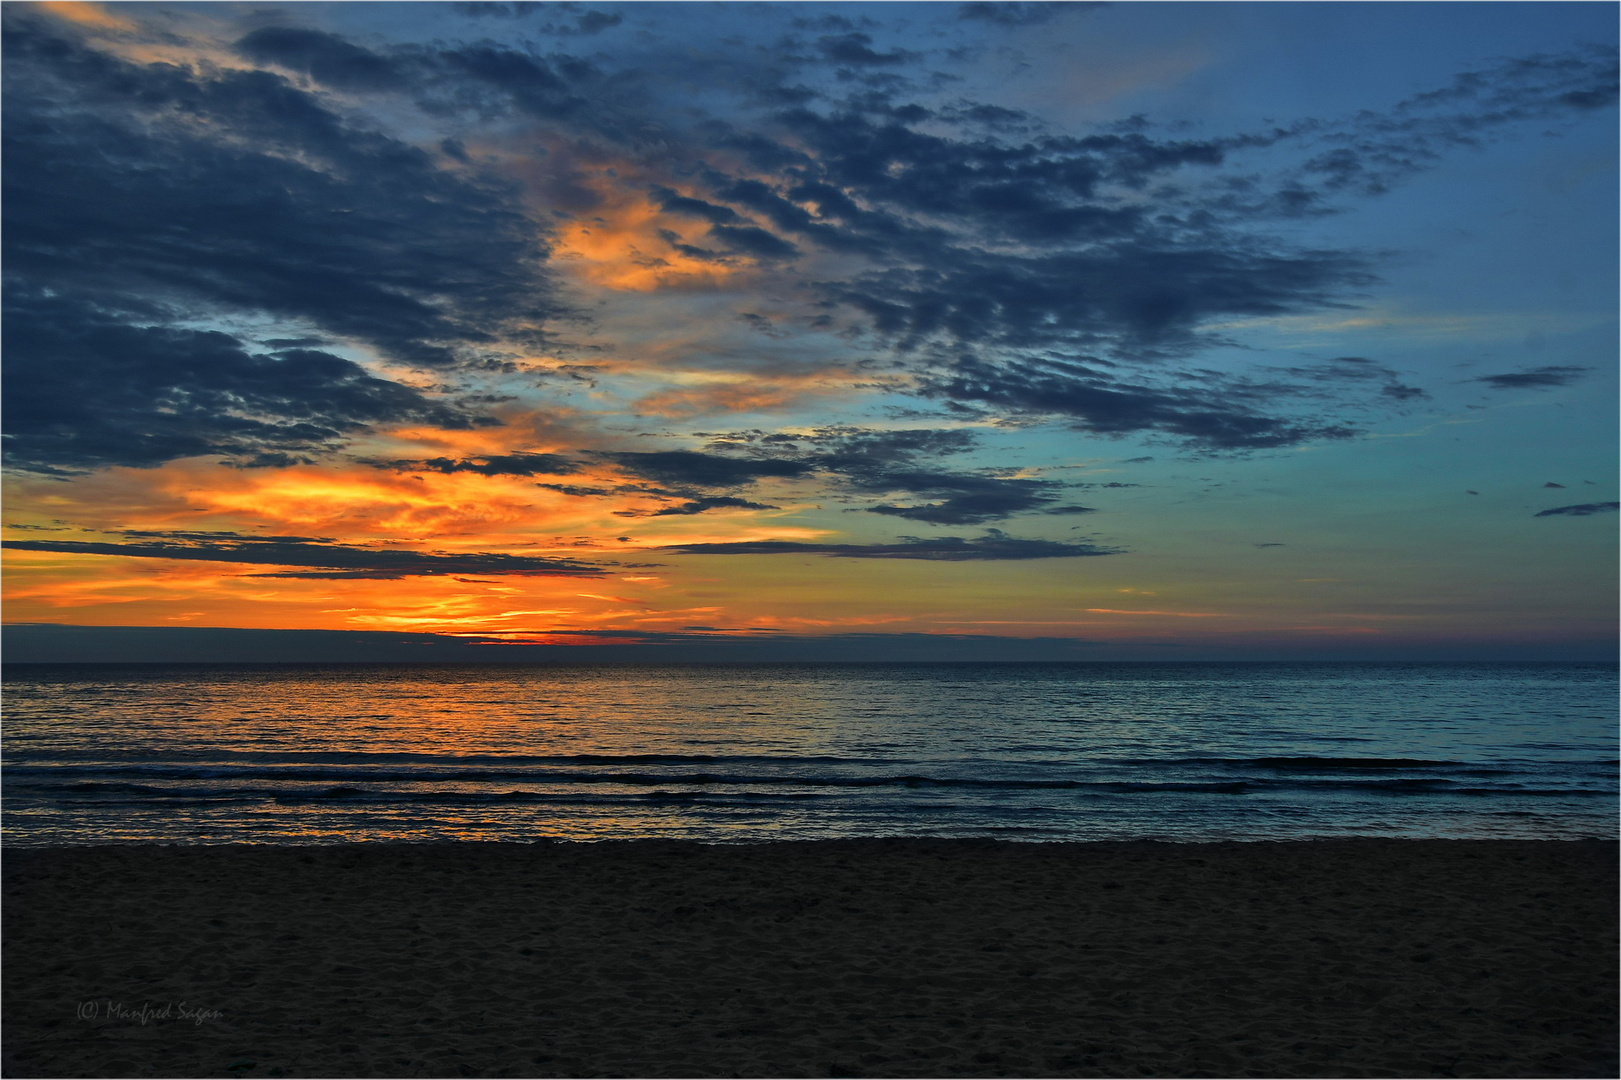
(878, 957)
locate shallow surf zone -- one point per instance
(1365, 957)
(315, 797)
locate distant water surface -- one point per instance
(731, 753)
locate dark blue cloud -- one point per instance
(234, 191)
(699, 506)
(1374, 151)
(689, 467)
(1010, 13)
(1534, 378)
(854, 461)
(55, 643)
(1579, 510)
(992, 547)
(1334, 373)
(861, 462)
(86, 387)
(1131, 296)
(855, 48)
(324, 57)
(966, 499)
(530, 84)
(519, 464)
(497, 9)
(143, 199)
(1098, 402)
(675, 203)
(324, 560)
(749, 240)
(586, 21)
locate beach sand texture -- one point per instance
(841, 958)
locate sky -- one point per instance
(1017, 330)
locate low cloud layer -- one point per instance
(322, 560)
(937, 549)
(1579, 510)
(1534, 378)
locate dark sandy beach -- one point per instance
(845, 958)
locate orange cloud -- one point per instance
(629, 244)
(382, 503)
(725, 397)
(85, 14)
(742, 392)
(622, 249)
(113, 591)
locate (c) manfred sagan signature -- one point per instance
(147, 1013)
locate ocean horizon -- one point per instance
(737, 753)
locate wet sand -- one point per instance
(847, 958)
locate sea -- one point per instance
(336, 753)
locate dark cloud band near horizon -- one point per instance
(322, 560)
(992, 547)
(1580, 510)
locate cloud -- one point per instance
(1579, 510)
(863, 462)
(144, 201)
(579, 491)
(749, 240)
(326, 560)
(517, 464)
(1351, 370)
(968, 500)
(675, 203)
(1125, 297)
(527, 84)
(990, 262)
(326, 58)
(700, 506)
(689, 467)
(1373, 151)
(495, 9)
(57, 643)
(586, 22)
(1098, 402)
(855, 461)
(993, 546)
(1553, 375)
(185, 193)
(1090, 266)
(1022, 14)
(856, 49)
(87, 387)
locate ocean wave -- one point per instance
(553, 787)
